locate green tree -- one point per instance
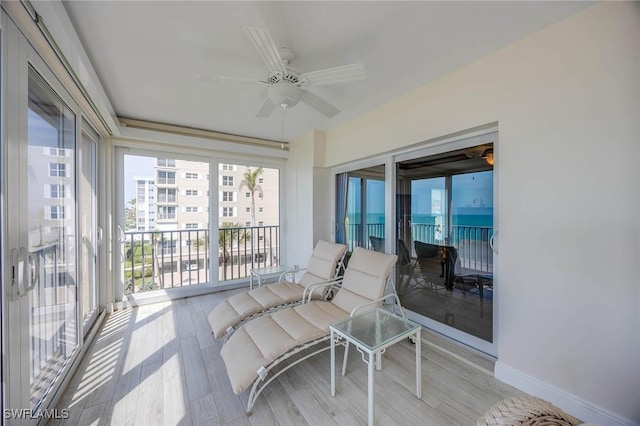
(230, 234)
(130, 215)
(251, 182)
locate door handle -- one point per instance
(120, 234)
(31, 274)
(25, 272)
(16, 275)
(99, 239)
(493, 248)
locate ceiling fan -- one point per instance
(484, 152)
(286, 86)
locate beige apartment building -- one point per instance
(176, 198)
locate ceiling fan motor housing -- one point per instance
(290, 76)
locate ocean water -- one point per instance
(458, 219)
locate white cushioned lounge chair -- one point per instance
(262, 343)
(324, 265)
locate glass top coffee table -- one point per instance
(266, 272)
(372, 332)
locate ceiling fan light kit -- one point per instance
(284, 94)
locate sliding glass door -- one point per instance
(42, 282)
(360, 208)
(442, 233)
(187, 223)
(444, 228)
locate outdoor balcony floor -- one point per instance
(159, 364)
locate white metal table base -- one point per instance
(374, 358)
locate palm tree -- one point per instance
(230, 234)
(251, 182)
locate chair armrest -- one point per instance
(374, 302)
(308, 291)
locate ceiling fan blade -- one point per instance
(267, 49)
(335, 75)
(319, 104)
(212, 78)
(266, 109)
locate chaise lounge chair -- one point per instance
(324, 264)
(262, 343)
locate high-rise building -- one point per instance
(145, 203)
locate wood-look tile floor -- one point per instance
(160, 365)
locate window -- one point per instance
(260, 195)
(57, 152)
(190, 226)
(57, 170)
(167, 247)
(166, 212)
(190, 192)
(260, 180)
(191, 209)
(167, 195)
(166, 178)
(57, 212)
(57, 191)
(261, 209)
(166, 162)
(261, 238)
(260, 223)
(241, 212)
(191, 176)
(228, 196)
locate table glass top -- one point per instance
(270, 270)
(375, 328)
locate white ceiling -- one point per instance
(148, 54)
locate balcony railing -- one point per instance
(157, 260)
(52, 315)
(472, 242)
(356, 237)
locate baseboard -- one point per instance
(583, 410)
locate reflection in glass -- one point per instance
(360, 208)
(444, 225)
(51, 235)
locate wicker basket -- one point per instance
(526, 410)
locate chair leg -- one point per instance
(344, 360)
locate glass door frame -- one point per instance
(124, 147)
(451, 144)
(95, 231)
(121, 150)
(18, 57)
(472, 138)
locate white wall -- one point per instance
(299, 202)
(308, 187)
(567, 100)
